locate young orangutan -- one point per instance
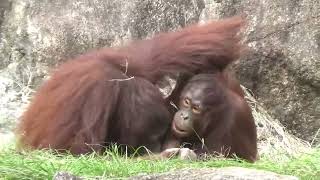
(213, 118)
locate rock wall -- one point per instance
(283, 67)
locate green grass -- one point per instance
(44, 164)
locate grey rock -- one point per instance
(5, 6)
(13, 97)
(230, 173)
(65, 176)
(51, 31)
(282, 67)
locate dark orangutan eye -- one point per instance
(196, 109)
(186, 102)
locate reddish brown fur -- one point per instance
(84, 102)
(226, 126)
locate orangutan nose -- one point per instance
(184, 116)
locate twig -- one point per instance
(175, 106)
(315, 137)
(127, 79)
(125, 73)
(126, 65)
(203, 145)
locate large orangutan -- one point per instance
(110, 95)
(213, 117)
